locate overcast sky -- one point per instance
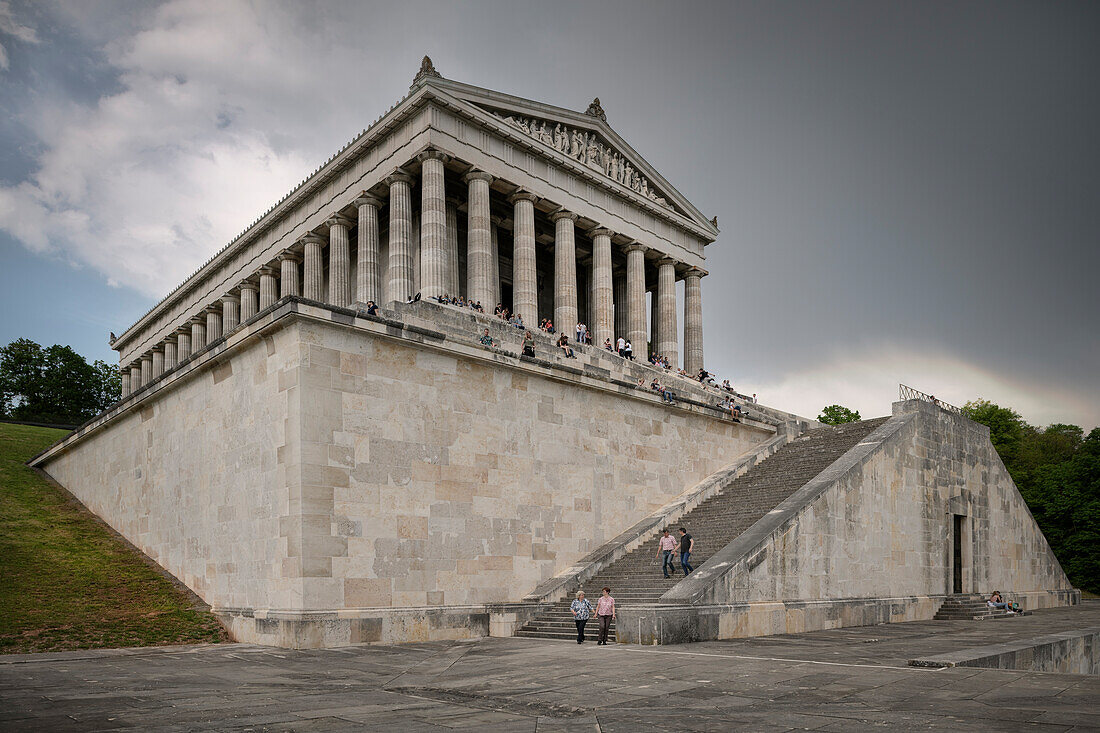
(906, 192)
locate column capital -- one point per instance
(337, 218)
(398, 176)
(199, 319)
(636, 247)
(185, 329)
(312, 238)
(476, 175)
(522, 195)
(158, 349)
(433, 154)
(289, 255)
(248, 285)
(212, 308)
(171, 338)
(667, 261)
(601, 231)
(695, 272)
(367, 199)
(231, 298)
(563, 214)
(268, 270)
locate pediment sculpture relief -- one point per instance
(588, 148)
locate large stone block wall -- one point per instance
(884, 528)
(431, 478)
(196, 474)
(321, 479)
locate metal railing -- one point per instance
(908, 393)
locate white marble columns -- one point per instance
(367, 283)
(158, 362)
(635, 300)
(231, 313)
(213, 323)
(399, 269)
(339, 261)
(268, 285)
(288, 273)
(454, 284)
(435, 257)
(565, 271)
(604, 325)
(313, 280)
(524, 273)
(479, 245)
(146, 369)
(667, 344)
(171, 353)
(198, 334)
(183, 344)
(124, 375)
(693, 321)
(135, 377)
(249, 302)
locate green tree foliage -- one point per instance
(53, 384)
(1057, 470)
(837, 414)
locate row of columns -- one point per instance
(439, 272)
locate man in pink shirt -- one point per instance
(665, 547)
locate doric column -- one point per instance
(693, 321)
(618, 286)
(454, 285)
(435, 259)
(135, 377)
(524, 272)
(231, 313)
(249, 302)
(146, 369)
(399, 268)
(494, 258)
(604, 326)
(158, 361)
(268, 287)
(668, 345)
(479, 245)
(367, 285)
(339, 261)
(183, 344)
(635, 300)
(171, 353)
(288, 273)
(198, 334)
(313, 281)
(213, 323)
(124, 375)
(565, 272)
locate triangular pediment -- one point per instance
(584, 137)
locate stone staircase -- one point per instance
(636, 577)
(970, 607)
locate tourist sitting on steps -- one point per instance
(563, 342)
(996, 601)
(372, 309)
(486, 339)
(528, 344)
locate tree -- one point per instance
(1006, 427)
(53, 384)
(837, 415)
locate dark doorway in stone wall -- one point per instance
(957, 553)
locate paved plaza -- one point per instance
(840, 680)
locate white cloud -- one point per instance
(222, 109)
(867, 380)
(9, 26)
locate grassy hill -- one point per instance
(67, 581)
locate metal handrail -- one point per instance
(908, 393)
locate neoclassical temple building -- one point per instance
(323, 473)
(461, 191)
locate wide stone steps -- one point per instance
(636, 579)
(971, 607)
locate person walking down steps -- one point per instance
(685, 546)
(666, 546)
(582, 611)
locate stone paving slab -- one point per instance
(843, 680)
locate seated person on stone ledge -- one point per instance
(372, 309)
(666, 394)
(477, 306)
(996, 601)
(487, 340)
(607, 345)
(563, 342)
(528, 344)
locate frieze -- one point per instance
(587, 148)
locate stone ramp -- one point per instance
(636, 579)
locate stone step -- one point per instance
(636, 577)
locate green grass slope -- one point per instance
(66, 580)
